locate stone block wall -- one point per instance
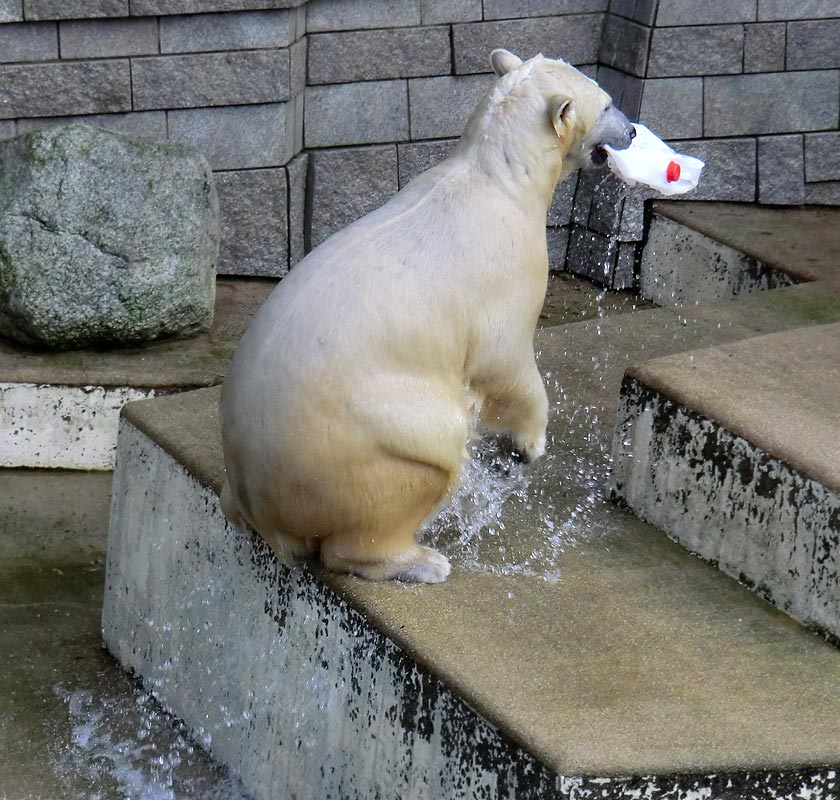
(229, 80)
(313, 113)
(391, 85)
(750, 86)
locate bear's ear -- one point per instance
(503, 61)
(561, 110)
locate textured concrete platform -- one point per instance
(61, 409)
(574, 652)
(697, 252)
(733, 451)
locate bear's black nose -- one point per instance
(632, 133)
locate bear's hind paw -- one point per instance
(428, 567)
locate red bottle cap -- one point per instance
(673, 172)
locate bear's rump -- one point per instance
(329, 464)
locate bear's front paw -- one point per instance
(531, 449)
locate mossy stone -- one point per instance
(104, 239)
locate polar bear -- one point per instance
(346, 410)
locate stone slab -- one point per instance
(804, 9)
(440, 107)
(416, 157)
(624, 45)
(237, 137)
(296, 172)
(823, 193)
(435, 12)
(378, 54)
(738, 105)
(673, 107)
(805, 242)
(356, 113)
(711, 12)
(730, 173)
(243, 30)
(812, 44)
(781, 170)
(106, 38)
(764, 47)
(344, 15)
(345, 184)
(28, 42)
(210, 79)
(554, 665)
(11, 10)
(151, 8)
(822, 156)
(49, 90)
(573, 37)
(501, 9)
(732, 450)
(696, 50)
(72, 9)
(254, 222)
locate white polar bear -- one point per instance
(346, 410)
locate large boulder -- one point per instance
(104, 239)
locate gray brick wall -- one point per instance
(574, 37)
(356, 113)
(254, 221)
(378, 54)
(346, 184)
(313, 113)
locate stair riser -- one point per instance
(219, 630)
(61, 427)
(680, 266)
(733, 504)
(297, 692)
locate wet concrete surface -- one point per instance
(73, 725)
(569, 298)
(585, 635)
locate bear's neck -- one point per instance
(528, 174)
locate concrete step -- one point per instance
(575, 651)
(734, 451)
(61, 410)
(696, 252)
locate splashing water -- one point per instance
(491, 476)
(507, 518)
(126, 747)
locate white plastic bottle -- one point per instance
(650, 161)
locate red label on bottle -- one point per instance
(673, 172)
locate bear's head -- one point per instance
(547, 107)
